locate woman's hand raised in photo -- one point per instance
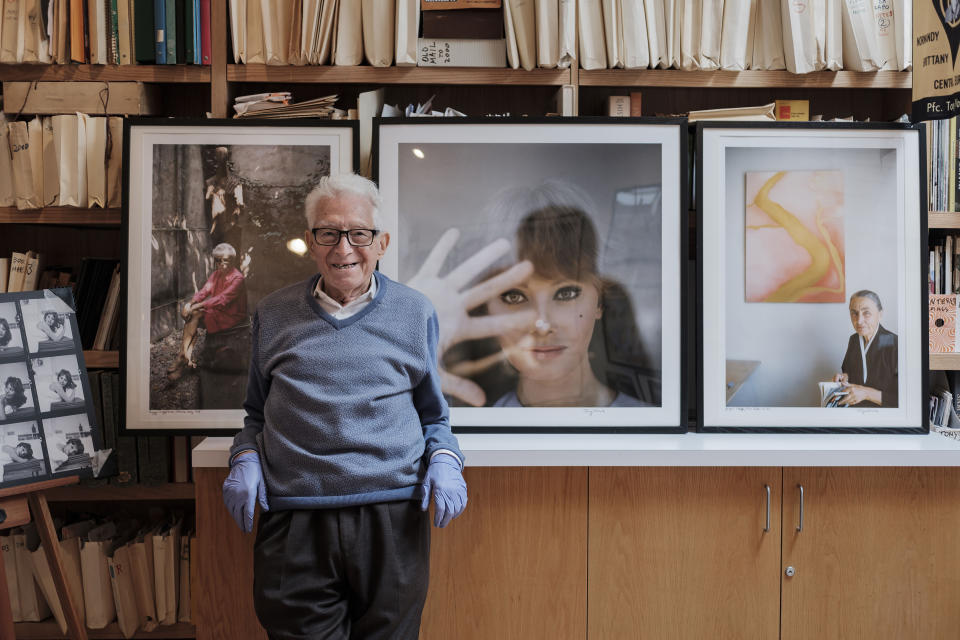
(453, 300)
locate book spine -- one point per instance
(114, 33)
(205, 31)
(160, 31)
(170, 15)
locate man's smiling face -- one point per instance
(346, 269)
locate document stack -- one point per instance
(279, 105)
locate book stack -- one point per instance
(106, 31)
(126, 569)
(944, 263)
(61, 161)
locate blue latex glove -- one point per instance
(243, 488)
(445, 483)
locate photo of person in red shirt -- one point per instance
(220, 305)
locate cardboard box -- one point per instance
(461, 53)
(52, 98)
(618, 106)
(793, 110)
(431, 5)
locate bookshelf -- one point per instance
(193, 91)
(112, 493)
(49, 630)
(745, 79)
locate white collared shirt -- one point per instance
(344, 311)
(863, 352)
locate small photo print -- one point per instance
(69, 443)
(21, 452)
(11, 340)
(48, 325)
(16, 403)
(59, 387)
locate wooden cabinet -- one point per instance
(660, 552)
(683, 553)
(514, 565)
(875, 558)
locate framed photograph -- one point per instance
(554, 253)
(47, 416)
(813, 314)
(213, 212)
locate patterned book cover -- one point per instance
(943, 323)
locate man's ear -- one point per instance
(384, 239)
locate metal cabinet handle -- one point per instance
(767, 528)
(800, 525)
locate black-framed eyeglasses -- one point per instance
(356, 237)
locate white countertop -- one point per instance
(681, 450)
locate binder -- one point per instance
(548, 33)
(567, 25)
(144, 33)
(160, 30)
(238, 29)
(635, 52)
(377, 19)
(612, 32)
(736, 42)
(523, 14)
(408, 20)
(593, 48)
(348, 46)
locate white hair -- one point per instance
(224, 250)
(333, 186)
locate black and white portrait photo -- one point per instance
(69, 443)
(59, 383)
(221, 224)
(48, 325)
(551, 255)
(16, 402)
(21, 453)
(11, 340)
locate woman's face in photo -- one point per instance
(223, 263)
(50, 319)
(4, 330)
(62, 379)
(557, 343)
(8, 390)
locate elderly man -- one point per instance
(346, 437)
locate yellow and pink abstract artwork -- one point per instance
(794, 236)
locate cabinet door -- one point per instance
(682, 553)
(223, 567)
(876, 557)
(514, 564)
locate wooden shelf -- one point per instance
(105, 72)
(61, 215)
(395, 75)
(101, 359)
(745, 79)
(169, 491)
(944, 361)
(50, 631)
(943, 220)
